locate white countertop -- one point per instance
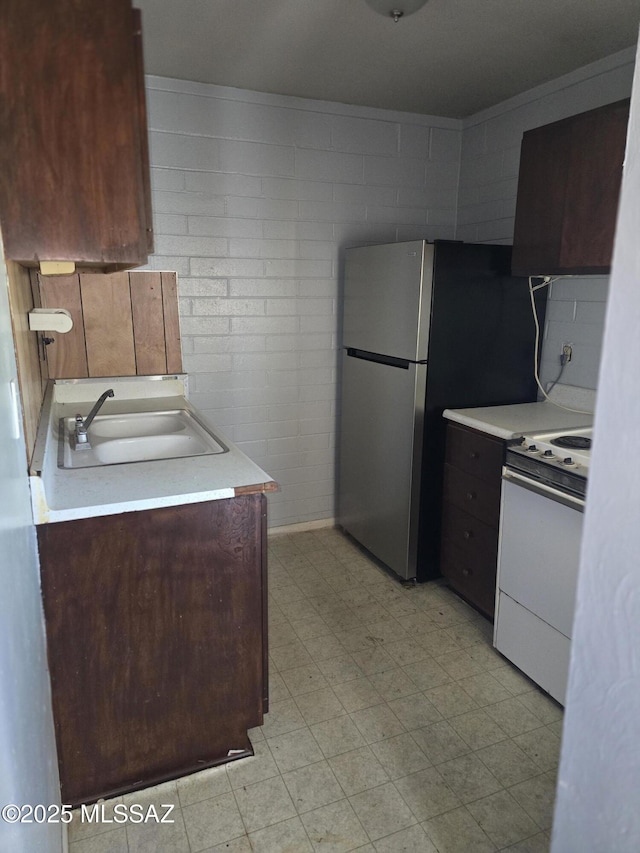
(63, 494)
(518, 419)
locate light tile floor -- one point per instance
(394, 726)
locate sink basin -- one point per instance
(137, 437)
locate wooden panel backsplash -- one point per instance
(125, 324)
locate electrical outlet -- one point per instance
(567, 353)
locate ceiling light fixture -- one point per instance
(396, 9)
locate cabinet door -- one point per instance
(72, 183)
(568, 189)
(155, 624)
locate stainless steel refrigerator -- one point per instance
(425, 327)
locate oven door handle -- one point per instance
(543, 490)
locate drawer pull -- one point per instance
(474, 454)
(467, 534)
(471, 496)
(466, 572)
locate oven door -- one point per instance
(538, 559)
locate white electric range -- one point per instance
(544, 483)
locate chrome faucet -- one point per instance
(82, 424)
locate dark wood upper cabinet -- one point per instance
(74, 165)
(568, 189)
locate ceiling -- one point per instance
(451, 58)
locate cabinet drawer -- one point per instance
(474, 539)
(473, 495)
(469, 557)
(474, 452)
(475, 580)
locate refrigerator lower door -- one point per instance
(380, 458)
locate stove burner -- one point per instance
(574, 442)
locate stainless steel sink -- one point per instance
(137, 437)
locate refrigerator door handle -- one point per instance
(376, 357)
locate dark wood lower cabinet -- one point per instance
(157, 641)
(471, 514)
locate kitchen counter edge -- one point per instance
(518, 419)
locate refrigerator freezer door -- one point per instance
(387, 299)
(380, 459)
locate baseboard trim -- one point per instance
(302, 527)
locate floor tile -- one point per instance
(393, 684)
(283, 716)
(514, 680)
(415, 711)
(313, 786)
(484, 689)
(264, 803)
(112, 841)
(542, 746)
(278, 690)
(281, 634)
(358, 770)
(308, 628)
(324, 647)
(458, 832)
(289, 835)
(426, 673)
(537, 797)
(411, 840)
(152, 837)
(451, 700)
(374, 659)
(427, 793)
(508, 763)
(290, 655)
(319, 705)
(339, 670)
(377, 723)
(254, 769)
(400, 755)
(337, 736)
(477, 729)
(236, 845)
(334, 828)
(416, 625)
(80, 828)
(381, 811)
(459, 664)
(513, 716)
(303, 679)
(203, 786)
(358, 694)
(469, 633)
(439, 642)
(503, 820)
(212, 822)
(469, 778)
(440, 742)
(407, 651)
(539, 843)
(294, 749)
(542, 706)
(445, 616)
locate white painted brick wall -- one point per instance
(487, 194)
(255, 198)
